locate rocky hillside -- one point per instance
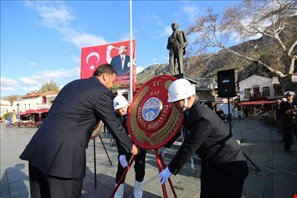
(207, 66)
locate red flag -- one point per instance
(92, 57)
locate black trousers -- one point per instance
(46, 186)
(289, 129)
(223, 180)
(139, 167)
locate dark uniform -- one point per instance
(224, 167)
(289, 121)
(139, 165)
(278, 118)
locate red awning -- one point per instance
(43, 110)
(257, 102)
(33, 111)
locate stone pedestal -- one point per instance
(182, 75)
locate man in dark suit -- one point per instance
(176, 45)
(121, 62)
(56, 152)
(223, 165)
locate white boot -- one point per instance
(120, 192)
(138, 189)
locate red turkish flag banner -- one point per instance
(94, 56)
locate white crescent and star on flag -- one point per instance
(92, 67)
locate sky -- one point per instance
(41, 41)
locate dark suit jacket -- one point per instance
(58, 146)
(208, 137)
(116, 62)
(287, 119)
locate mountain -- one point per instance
(264, 49)
(207, 66)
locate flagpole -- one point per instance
(131, 55)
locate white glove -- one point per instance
(164, 175)
(162, 151)
(123, 161)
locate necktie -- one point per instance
(122, 58)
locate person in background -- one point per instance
(220, 113)
(18, 116)
(223, 165)
(57, 151)
(121, 62)
(9, 120)
(246, 112)
(278, 118)
(120, 105)
(289, 119)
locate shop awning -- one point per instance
(33, 111)
(257, 102)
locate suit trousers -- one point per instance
(46, 186)
(223, 180)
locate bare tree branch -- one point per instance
(248, 20)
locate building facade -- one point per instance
(34, 101)
(5, 107)
(259, 88)
(259, 94)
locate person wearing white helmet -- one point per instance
(288, 110)
(223, 165)
(120, 105)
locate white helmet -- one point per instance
(180, 89)
(119, 102)
(289, 93)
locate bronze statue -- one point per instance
(176, 45)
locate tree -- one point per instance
(11, 98)
(275, 20)
(49, 86)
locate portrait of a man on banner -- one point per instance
(117, 54)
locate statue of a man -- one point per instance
(176, 45)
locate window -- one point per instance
(266, 91)
(247, 93)
(257, 94)
(256, 91)
(278, 91)
(43, 100)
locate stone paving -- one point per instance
(277, 177)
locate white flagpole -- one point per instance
(131, 55)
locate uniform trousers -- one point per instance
(46, 186)
(223, 180)
(139, 167)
